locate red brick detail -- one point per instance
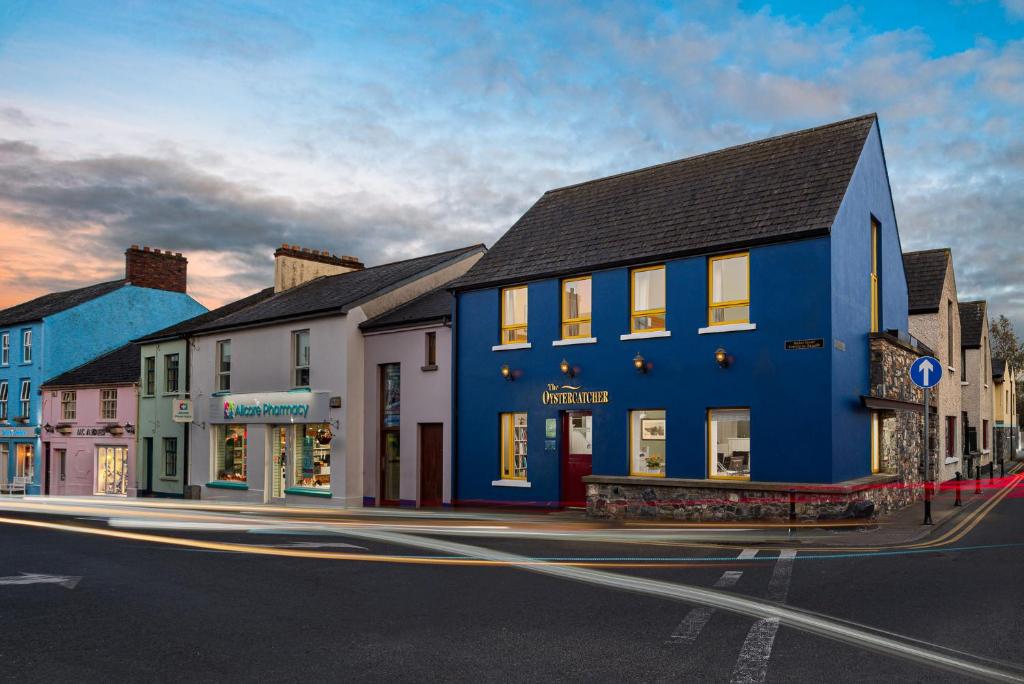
(157, 269)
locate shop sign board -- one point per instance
(182, 411)
(270, 407)
(572, 394)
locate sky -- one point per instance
(390, 130)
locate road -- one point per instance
(169, 594)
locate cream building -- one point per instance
(976, 384)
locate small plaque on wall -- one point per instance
(817, 343)
(550, 425)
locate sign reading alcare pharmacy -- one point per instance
(270, 407)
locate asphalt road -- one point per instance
(145, 611)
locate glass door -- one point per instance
(278, 461)
(112, 470)
(390, 429)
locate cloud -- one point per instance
(1014, 8)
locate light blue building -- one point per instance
(49, 335)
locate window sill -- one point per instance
(510, 483)
(986, 451)
(730, 327)
(510, 347)
(166, 478)
(951, 460)
(646, 335)
(304, 491)
(964, 382)
(429, 367)
(951, 369)
(170, 394)
(226, 484)
(574, 340)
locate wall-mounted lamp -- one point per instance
(722, 357)
(129, 428)
(506, 372)
(48, 428)
(639, 363)
(566, 369)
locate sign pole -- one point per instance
(927, 463)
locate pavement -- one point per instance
(91, 591)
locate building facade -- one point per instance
(976, 385)
(1004, 410)
(662, 341)
(935, 320)
(407, 398)
(278, 387)
(47, 336)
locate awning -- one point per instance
(879, 404)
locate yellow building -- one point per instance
(1004, 410)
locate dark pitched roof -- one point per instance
(972, 321)
(998, 368)
(119, 367)
(434, 306)
(926, 274)
(780, 188)
(187, 326)
(337, 293)
(55, 302)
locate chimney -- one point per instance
(294, 265)
(156, 269)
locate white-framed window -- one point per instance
(300, 358)
(68, 405)
(224, 365)
(149, 376)
(3, 400)
(26, 346)
(170, 456)
(108, 404)
(5, 349)
(171, 374)
(26, 398)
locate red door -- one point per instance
(431, 464)
(577, 452)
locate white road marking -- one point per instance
(67, 582)
(752, 664)
(689, 629)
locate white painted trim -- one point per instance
(510, 483)
(986, 451)
(510, 347)
(964, 382)
(646, 335)
(951, 460)
(951, 369)
(730, 327)
(572, 341)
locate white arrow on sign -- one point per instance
(926, 369)
(34, 578)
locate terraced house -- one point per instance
(700, 339)
(976, 385)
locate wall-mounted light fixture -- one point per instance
(566, 369)
(722, 357)
(506, 372)
(639, 363)
(129, 428)
(48, 428)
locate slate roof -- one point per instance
(55, 302)
(972, 321)
(998, 368)
(926, 274)
(187, 326)
(119, 367)
(337, 293)
(780, 188)
(434, 306)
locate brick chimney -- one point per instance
(156, 269)
(294, 265)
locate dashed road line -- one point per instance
(752, 664)
(690, 628)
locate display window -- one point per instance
(647, 442)
(729, 443)
(313, 456)
(513, 446)
(230, 442)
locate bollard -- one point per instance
(1002, 468)
(977, 480)
(959, 477)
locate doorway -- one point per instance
(431, 464)
(577, 456)
(112, 470)
(390, 434)
(278, 461)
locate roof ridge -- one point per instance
(731, 148)
(929, 251)
(90, 361)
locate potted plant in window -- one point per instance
(115, 430)
(23, 420)
(64, 428)
(653, 462)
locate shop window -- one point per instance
(875, 290)
(230, 452)
(112, 470)
(5, 349)
(729, 443)
(300, 347)
(876, 442)
(647, 299)
(68, 405)
(3, 400)
(647, 442)
(108, 404)
(224, 365)
(150, 375)
(26, 346)
(5, 455)
(390, 431)
(171, 373)
(313, 457)
(170, 456)
(514, 306)
(729, 289)
(430, 351)
(26, 398)
(576, 308)
(24, 461)
(513, 446)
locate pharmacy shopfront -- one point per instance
(270, 447)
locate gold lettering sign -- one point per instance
(568, 394)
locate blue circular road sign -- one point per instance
(926, 372)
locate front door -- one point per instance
(278, 461)
(577, 453)
(431, 464)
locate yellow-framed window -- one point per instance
(729, 289)
(647, 452)
(876, 442)
(728, 443)
(576, 307)
(647, 299)
(875, 303)
(513, 446)
(514, 305)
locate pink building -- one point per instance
(89, 417)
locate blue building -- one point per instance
(703, 331)
(49, 335)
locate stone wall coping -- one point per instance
(846, 487)
(923, 350)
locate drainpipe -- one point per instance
(454, 415)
